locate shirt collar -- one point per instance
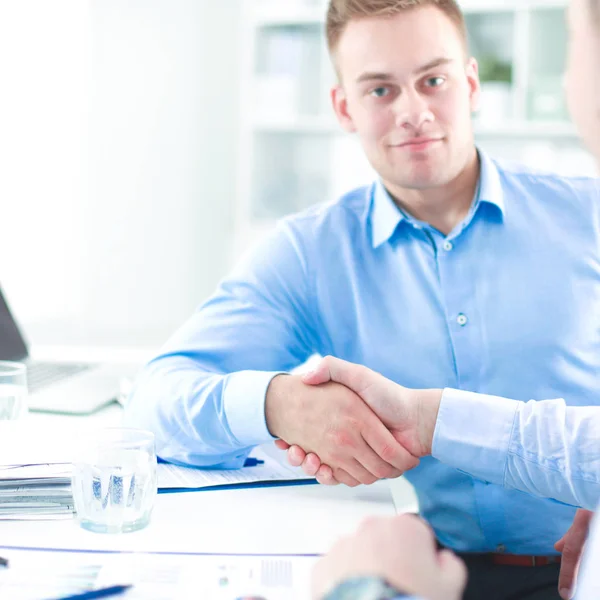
(490, 184)
(386, 216)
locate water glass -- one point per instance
(114, 480)
(13, 390)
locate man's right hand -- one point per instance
(410, 415)
(334, 423)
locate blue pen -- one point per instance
(249, 462)
(115, 590)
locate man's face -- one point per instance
(407, 91)
(583, 72)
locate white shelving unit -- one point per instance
(292, 151)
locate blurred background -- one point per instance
(146, 144)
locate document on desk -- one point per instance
(267, 468)
(155, 576)
(33, 456)
(29, 492)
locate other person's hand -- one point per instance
(402, 550)
(571, 547)
(333, 422)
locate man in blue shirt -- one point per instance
(449, 271)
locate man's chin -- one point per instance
(421, 178)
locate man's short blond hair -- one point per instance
(341, 12)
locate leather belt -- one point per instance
(513, 560)
(518, 560)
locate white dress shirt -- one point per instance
(543, 448)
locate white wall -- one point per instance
(43, 101)
(124, 186)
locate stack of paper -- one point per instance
(35, 491)
(36, 467)
(35, 473)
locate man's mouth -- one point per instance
(418, 144)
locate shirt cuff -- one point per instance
(473, 433)
(245, 393)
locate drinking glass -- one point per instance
(114, 480)
(13, 390)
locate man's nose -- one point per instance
(412, 110)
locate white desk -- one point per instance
(284, 520)
(287, 520)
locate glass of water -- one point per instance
(114, 480)
(13, 390)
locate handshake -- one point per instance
(344, 423)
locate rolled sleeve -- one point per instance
(473, 433)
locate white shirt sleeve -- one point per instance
(544, 448)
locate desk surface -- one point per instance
(283, 520)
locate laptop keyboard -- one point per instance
(40, 374)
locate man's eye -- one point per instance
(434, 81)
(380, 92)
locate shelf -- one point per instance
(527, 129)
(281, 15)
(323, 125)
(328, 125)
(486, 6)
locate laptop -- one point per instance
(63, 387)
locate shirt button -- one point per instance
(500, 548)
(462, 320)
(448, 246)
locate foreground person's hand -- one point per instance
(402, 550)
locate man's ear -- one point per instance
(472, 70)
(339, 100)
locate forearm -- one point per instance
(204, 395)
(554, 452)
(200, 417)
(543, 448)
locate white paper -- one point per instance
(38, 490)
(33, 575)
(35, 492)
(35, 471)
(274, 468)
(174, 476)
(155, 576)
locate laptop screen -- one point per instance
(12, 345)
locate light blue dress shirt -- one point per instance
(506, 304)
(544, 448)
